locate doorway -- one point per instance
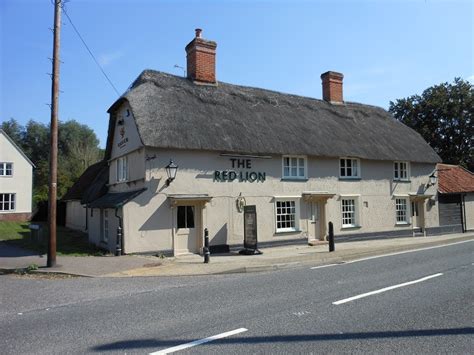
(187, 227)
(417, 216)
(316, 220)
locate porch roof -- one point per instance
(115, 199)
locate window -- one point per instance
(294, 167)
(286, 216)
(401, 210)
(122, 169)
(7, 202)
(185, 217)
(400, 170)
(6, 169)
(349, 212)
(349, 168)
(105, 226)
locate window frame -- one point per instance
(4, 169)
(11, 202)
(407, 210)
(296, 219)
(355, 212)
(122, 169)
(297, 176)
(352, 176)
(397, 170)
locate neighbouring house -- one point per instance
(455, 197)
(16, 181)
(77, 196)
(302, 162)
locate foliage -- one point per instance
(69, 242)
(78, 148)
(443, 116)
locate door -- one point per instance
(316, 220)
(186, 230)
(415, 215)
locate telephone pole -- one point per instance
(53, 160)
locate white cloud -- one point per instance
(107, 58)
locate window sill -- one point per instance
(401, 180)
(288, 232)
(350, 227)
(294, 179)
(349, 178)
(402, 224)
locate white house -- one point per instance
(302, 162)
(16, 181)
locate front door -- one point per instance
(186, 230)
(415, 215)
(316, 220)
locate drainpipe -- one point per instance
(463, 213)
(119, 244)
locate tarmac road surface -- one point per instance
(416, 302)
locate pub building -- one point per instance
(185, 154)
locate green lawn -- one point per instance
(68, 242)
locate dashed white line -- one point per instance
(201, 341)
(322, 266)
(345, 300)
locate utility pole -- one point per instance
(53, 160)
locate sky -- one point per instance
(386, 49)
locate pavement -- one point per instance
(273, 258)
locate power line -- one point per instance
(90, 52)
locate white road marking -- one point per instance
(201, 341)
(321, 266)
(345, 300)
(406, 252)
(391, 254)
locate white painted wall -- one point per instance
(149, 219)
(21, 182)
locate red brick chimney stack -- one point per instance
(332, 87)
(201, 60)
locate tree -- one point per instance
(78, 148)
(443, 116)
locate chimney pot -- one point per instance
(198, 32)
(332, 87)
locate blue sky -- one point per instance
(386, 49)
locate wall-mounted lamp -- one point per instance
(433, 180)
(171, 170)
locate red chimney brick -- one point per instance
(332, 87)
(201, 60)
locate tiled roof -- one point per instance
(454, 179)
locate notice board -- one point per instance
(250, 227)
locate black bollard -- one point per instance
(331, 237)
(205, 250)
(118, 248)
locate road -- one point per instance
(418, 302)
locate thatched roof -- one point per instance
(173, 112)
(80, 187)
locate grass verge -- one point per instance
(68, 242)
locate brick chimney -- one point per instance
(332, 87)
(201, 60)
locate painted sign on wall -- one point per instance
(241, 176)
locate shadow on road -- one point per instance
(155, 343)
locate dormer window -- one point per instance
(349, 168)
(294, 167)
(401, 171)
